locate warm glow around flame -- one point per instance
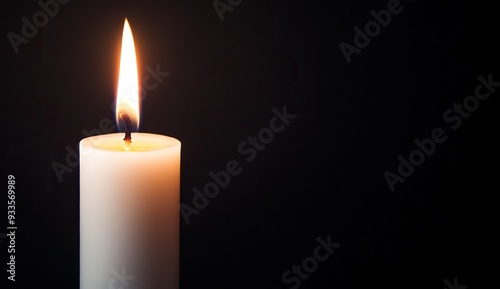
(127, 95)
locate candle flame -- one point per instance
(127, 95)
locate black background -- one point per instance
(323, 175)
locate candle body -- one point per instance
(129, 212)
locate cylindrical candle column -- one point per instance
(129, 212)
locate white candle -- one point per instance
(129, 205)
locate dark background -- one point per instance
(323, 175)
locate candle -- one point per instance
(129, 198)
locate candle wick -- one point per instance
(128, 130)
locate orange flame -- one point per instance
(127, 96)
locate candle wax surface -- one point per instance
(141, 142)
